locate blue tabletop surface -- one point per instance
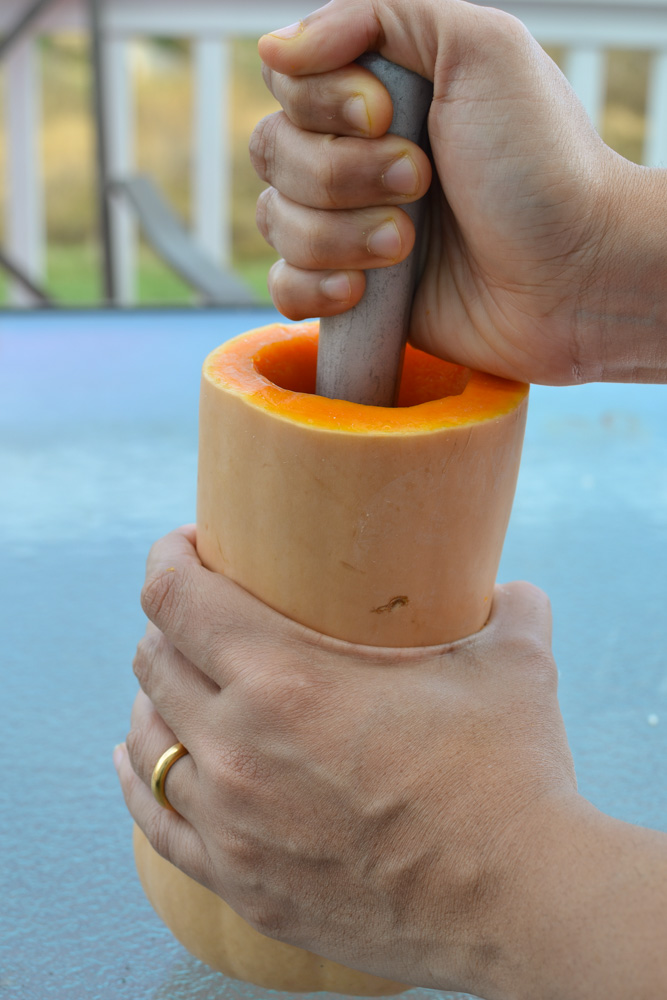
(98, 427)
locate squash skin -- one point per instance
(388, 537)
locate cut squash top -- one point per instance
(274, 369)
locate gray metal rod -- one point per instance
(360, 352)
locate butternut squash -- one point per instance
(376, 525)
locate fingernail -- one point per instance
(385, 241)
(291, 31)
(337, 287)
(118, 752)
(356, 114)
(401, 177)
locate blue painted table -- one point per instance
(98, 425)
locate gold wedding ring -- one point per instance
(161, 770)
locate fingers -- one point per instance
(334, 172)
(147, 740)
(179, 691)
(298, 294)
(184, 600)
(169, 833)
(320, 240)
(204, 615)
(329, 207)
(348, 101)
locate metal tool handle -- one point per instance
(360, 352)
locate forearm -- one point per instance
(620, 317)
(588, 917)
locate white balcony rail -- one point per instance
(585, 29)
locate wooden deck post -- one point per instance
(212, 155)
(119, 121)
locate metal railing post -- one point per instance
(101, 149)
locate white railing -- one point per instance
(586, 29)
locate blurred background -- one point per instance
(162, 93)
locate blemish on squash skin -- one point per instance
(395, 602)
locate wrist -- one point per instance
(519, 920)
(586, 913)
(620, 317)
(496, 929)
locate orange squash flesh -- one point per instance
(376, 525)
(274, 367)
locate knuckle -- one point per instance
(286, 694)
(262, 146)
(275, 279)
(504, 32)
(276, 272)
(144, 657)
(291, 690)
(549, 674)
(269, 919)
(167, 599)
(319, 246)
(536, 664)
(137, 745)
(238, 771)
(243, 857)
(268, 77)
(158, 595)
(327, 175)
(311, 96)
(294, 93)
(536, 656)
(531, 592)
(264, 213)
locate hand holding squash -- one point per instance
(546, 260)
(371, 804)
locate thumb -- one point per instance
(326, 40)
(411, 33)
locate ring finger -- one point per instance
(147, 740)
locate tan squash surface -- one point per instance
(375, 525)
